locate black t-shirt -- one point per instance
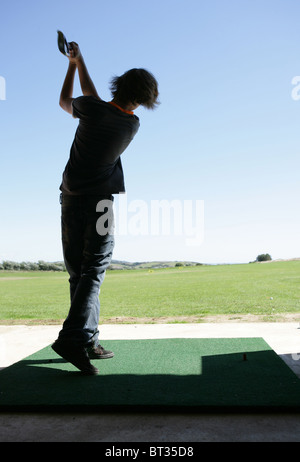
(103, 133)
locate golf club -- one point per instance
(63, 45)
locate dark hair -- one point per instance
(136, 86)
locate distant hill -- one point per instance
(115, 265)
(41, 265)
(122, 265)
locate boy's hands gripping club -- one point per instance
(69, 49)
(75, 53)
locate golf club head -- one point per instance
(63, 45)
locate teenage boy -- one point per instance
(92, 175)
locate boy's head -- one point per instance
(136, 86)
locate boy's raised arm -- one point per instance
(87, 86)
(66, 94)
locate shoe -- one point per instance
(75, 355)
(99, 353)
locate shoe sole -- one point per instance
(93, 356)
(68, 358)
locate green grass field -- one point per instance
(270, 290)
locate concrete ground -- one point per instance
(17, 342)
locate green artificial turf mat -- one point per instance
(164, 374)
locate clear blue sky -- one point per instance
(227, 131)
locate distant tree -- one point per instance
(25, 266)
(31, 266)
(264, 257)
(10, 265)
(43, 266)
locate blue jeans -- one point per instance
(87, 255)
